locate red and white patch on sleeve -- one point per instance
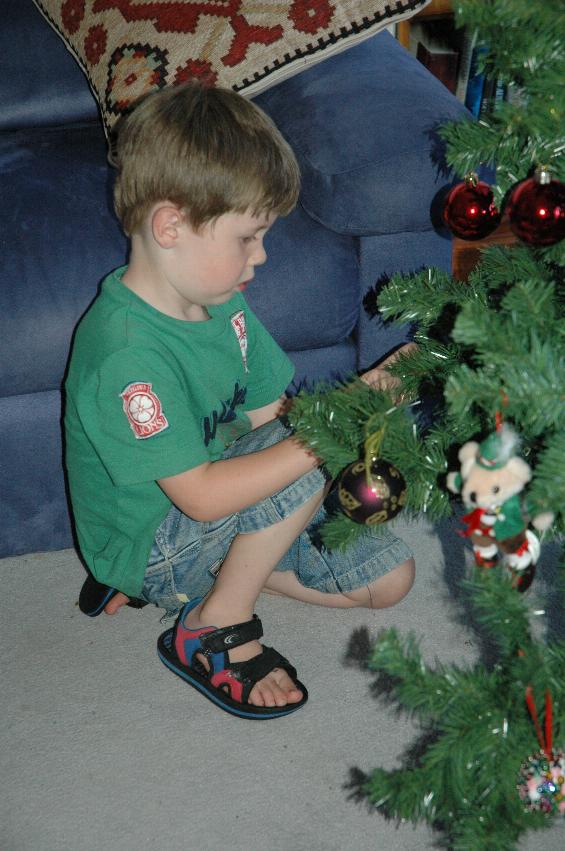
(238, 324)
(143, 410)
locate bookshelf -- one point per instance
(450, 54)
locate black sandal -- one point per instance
(227, 684)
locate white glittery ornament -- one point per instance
(541, 783)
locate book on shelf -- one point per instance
(455, 57)
(467, 45)
(481, 92)
(441, 60)
(493, 93)
(475, 87)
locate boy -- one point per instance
(178, 463)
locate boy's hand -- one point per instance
(379, 377)
(116, 603)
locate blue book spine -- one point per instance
(476, 83)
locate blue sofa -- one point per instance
(362, 124)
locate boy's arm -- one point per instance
(378, 377)
(263, 415)
(219, 488)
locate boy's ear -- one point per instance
(166, 222)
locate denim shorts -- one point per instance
(187, 554)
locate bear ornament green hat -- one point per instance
(495, 450)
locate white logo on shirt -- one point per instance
(143, 410)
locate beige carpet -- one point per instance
(103, 749)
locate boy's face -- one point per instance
(211, 264)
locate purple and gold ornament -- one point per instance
(371, 490)
(374, 498)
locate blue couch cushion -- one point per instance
(61, 237)
(365, 170)
(33, 506)
(40, 82)
(307, 293)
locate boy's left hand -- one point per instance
(379, 377)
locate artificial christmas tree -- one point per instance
(491, 350)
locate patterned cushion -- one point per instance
(130, 47)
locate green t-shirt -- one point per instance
(150, 396)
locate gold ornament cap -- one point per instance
(543, 175)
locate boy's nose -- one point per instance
(259, 255)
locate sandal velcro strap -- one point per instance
(259, 666)
(232, 636)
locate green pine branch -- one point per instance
(461, 778)
(501, 614)
(491, 345)
(525, 50)
(423, 297)
(547, 490)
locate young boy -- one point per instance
(186, 486)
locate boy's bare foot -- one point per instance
(116, 603)
(276, 689)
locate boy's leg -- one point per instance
(376, 570)
(249, 546)
(381, 593)
(174, 538)
(249, 568)
(249, 562)
(187, 555)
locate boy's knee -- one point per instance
(388, 590)
(392, 588)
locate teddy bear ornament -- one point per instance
(491, 480)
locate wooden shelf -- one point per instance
(466, 254)
(435, 9)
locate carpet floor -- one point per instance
(103, 749)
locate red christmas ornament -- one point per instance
(537, 209)
(469, 210)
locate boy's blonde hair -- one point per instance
(207, 150)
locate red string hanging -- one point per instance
(549, 724)
(498, 418)
(546, 743)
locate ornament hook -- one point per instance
(372, 447)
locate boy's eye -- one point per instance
(248, 239)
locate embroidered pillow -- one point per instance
(130, 47)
